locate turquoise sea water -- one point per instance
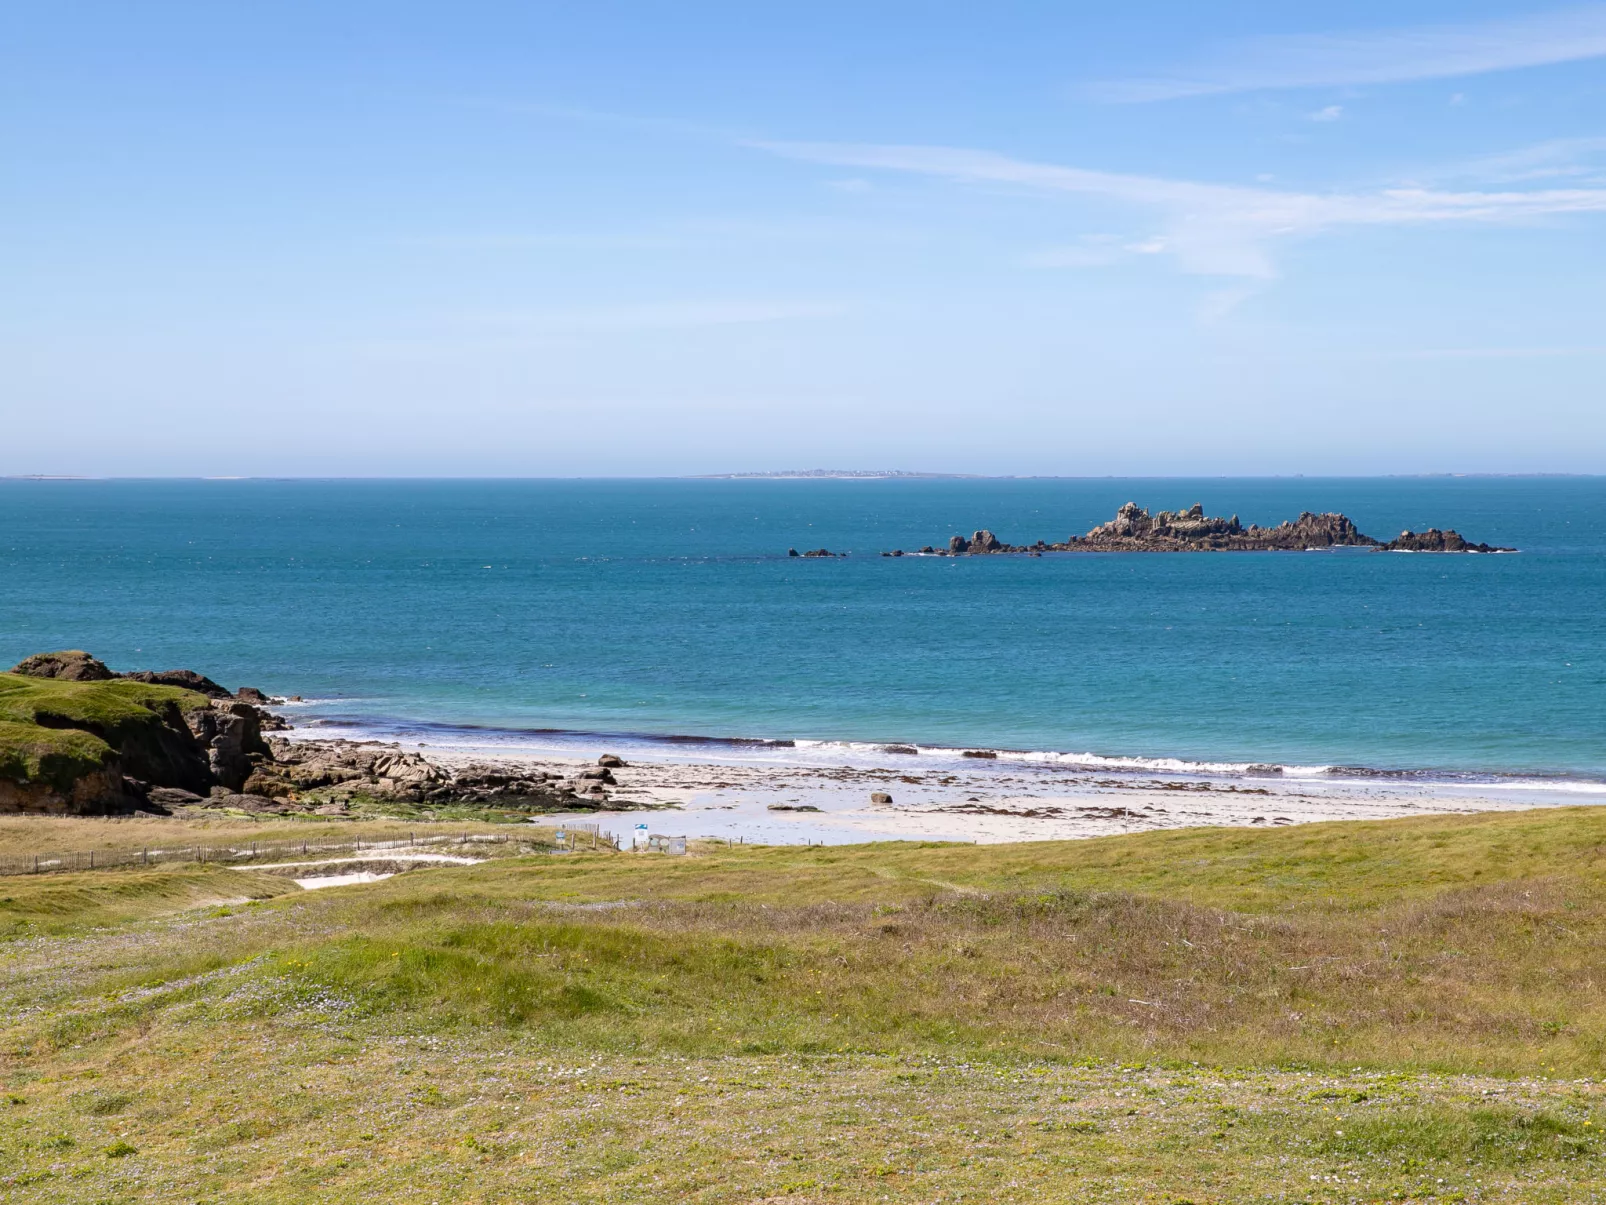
(670, 608)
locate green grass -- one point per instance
(1396, 1011)
(108, 708)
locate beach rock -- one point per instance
(370, 768)
(609, 761)
(172, 797)
(341, 771)
(250, 694)
(880, 797)
(987, 754)
(958, 544)
(70, 665)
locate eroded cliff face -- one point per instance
(94, 793)
(230, 732)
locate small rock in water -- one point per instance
(987, 753)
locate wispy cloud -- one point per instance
(1330, 113)
(1212, 229)
(1378, 57)
(1555, 159)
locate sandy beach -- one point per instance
(793, 797)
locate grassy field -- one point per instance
(1345, 1012)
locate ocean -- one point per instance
(546, 611)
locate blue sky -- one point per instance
(481, 238)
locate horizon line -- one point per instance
(803, 475)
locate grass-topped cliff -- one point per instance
(64, 745)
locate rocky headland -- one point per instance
(1134, 529)
(77, 738)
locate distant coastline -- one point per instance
(833, 474)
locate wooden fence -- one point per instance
(245, 853)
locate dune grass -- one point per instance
(1405, 1010)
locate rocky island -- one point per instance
(1134, 529)
(78, 739)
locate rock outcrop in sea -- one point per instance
(1134, 529)
(1434, 540)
